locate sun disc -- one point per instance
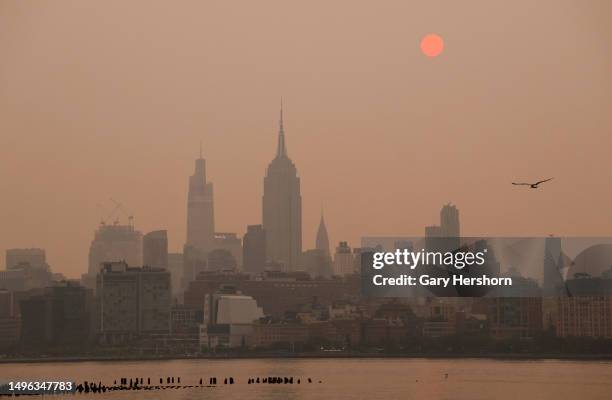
(432, 45)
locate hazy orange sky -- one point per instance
(102, 99)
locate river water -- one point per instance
(467, 379)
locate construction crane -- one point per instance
(113, 214)
(119, 207)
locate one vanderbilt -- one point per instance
(412, 259)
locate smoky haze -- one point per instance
(111, 99)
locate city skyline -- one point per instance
(381, 134)
(200, 171)
(299, 199)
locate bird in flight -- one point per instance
(533, 185)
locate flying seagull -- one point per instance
(533, 185)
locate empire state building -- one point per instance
(282, 207)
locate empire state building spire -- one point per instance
(282, 207)
(281, 150)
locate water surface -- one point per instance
(469, 379)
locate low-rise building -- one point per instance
(228, 319)
(268, 334)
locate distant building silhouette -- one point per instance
(26, 269)
(194, 262)
(254, 249)
(282, 207)
(343, 260)
(220, 259)
(553, 265)
(447, 235)
(113, 243)
(155, 249)
(200, 211)
(34, 257)
(317, 263)
(449, 221)
(57, 315)
(175, 266)
(322, 240)
(230, 242)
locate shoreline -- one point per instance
(499, 357)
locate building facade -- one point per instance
(254, 249)
(230, 242)
(584, 316)
(113, 243)
(200, 210)
(56, 316)
(34, 257)
(343, 260)
(155, 249)
(132, 302)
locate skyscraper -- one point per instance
(553, 265)
(254, 249)
(322, 242)
(200, 213)
(282, 207)
(114, 243)
(155, 249)
(447, 235)
(343, 260)
(449, 221)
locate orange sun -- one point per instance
(432, 45)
